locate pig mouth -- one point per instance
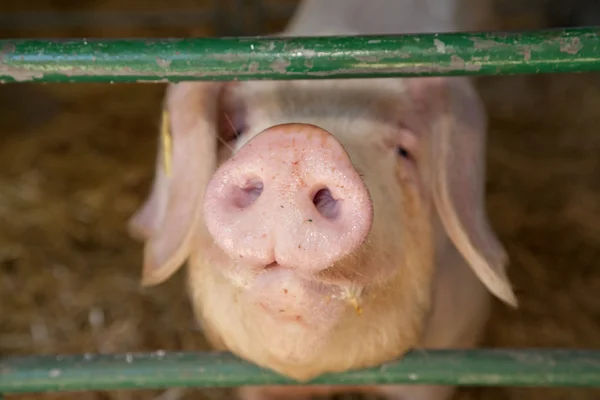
(287, 293)
(244, 277)
(313, 280)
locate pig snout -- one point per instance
(290, 197)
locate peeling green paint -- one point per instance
(174, 60)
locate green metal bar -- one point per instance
(566, 368)
(162, 60)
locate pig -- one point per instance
(329, 225)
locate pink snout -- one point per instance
(290, 196)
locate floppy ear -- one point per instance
(187, 157)
(456, 137)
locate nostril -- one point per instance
(244, 196)
(326, 204)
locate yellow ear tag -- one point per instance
(167, 142)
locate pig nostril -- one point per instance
(244, 196)
(326, 204)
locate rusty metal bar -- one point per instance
(173, 60)
(566, 368)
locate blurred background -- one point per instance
(76, 160)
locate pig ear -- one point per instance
(457, 129)
(170, 218)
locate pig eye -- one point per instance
(240, 129)
(402, 152)
(232, 126)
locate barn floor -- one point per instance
(76, 161)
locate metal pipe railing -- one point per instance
(482, 367)
(173, 60)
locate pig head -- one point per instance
(327, 225)
(316, 215)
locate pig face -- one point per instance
(312, 213)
